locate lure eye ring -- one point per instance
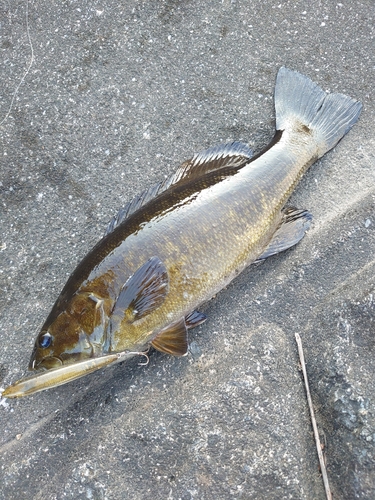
(45, 340)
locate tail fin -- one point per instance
(327, 116)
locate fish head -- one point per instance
(73, 333)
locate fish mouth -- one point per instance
(48, 363)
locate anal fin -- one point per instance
(291, 230)
(172, 339)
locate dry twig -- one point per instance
(313, 421)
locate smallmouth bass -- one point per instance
(181, 241)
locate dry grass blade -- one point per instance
(313, 421)
(28, 67)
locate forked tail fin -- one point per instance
(328, 117)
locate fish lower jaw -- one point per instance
(46, 364)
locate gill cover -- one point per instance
(77, 333)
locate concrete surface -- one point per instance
(117, 95)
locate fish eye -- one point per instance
(45, 340)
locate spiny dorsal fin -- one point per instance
(292, 228)
(132, 206)
(172, 339)
(143, 292)
(233, 154)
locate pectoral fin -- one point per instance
(143, 292)
(172, 339)
(294, 224)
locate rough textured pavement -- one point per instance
(117, 95)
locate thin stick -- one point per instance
(313, 421)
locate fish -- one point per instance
(177, 244)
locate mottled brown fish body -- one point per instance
(204, 241)
(180, 242)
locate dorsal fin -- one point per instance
(233, 154)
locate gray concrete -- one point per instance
(118, 94)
